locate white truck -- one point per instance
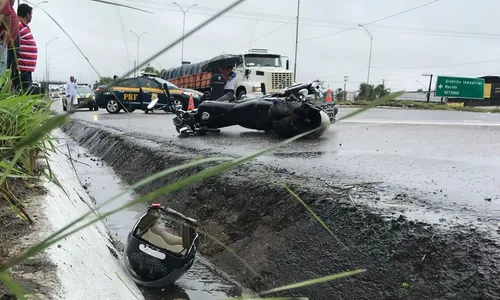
(256, 70)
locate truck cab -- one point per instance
(258, 69)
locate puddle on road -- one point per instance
(200, 283)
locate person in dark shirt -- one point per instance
(217, 84)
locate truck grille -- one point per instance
(281, 80)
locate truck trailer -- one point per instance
(257, 68)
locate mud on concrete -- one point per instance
(248, 209)
(36, 275)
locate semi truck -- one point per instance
(257, 69)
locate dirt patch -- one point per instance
(248, 210)
(37, 275)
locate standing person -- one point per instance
(70, 93)
(231, 81)
(217, 83)
(28, 52)
(9, 29)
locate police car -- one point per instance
(129, 94)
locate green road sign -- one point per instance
(460, 87)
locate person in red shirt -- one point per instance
(9, 29)
(27, 53)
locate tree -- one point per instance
(103, 81)
(370, 92)
(365, 92)
(339, 94)
(150, 69)
(380, 91)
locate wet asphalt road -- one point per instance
(448, 161)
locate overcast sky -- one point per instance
(449, 37)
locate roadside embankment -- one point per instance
(82, 266)
(248, 209)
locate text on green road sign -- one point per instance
(460, 87)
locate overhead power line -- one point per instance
(441, 66)
(378, 20)
(269, 33)
(345, 26)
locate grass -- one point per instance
(420, 105)
(20, 117)
(26, 124)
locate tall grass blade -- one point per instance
(124, 35)
(313, 281)
(121, 5)
(38, 133)
(128, 288)
(69, 37)
(314, 215)
(372, 104)
(194, 30)
(12, 285)
(9, 168)
(48, 241)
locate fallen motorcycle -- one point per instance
(289, 112)
(155, 255)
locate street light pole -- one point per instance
(138, 38)
(47, 60)
(183, 27)
(370, 59)
(346, 78)
(48, 68)
(296, 42)
(430, 84)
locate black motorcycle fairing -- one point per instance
(251, 114)
(290, 118)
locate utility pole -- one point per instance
(370, 58)
(137, 61)
(183, 27)
(430, 84)
(296, 42)
(345, 86)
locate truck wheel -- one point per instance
(241, 93)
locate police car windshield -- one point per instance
(84, 89)
(163, 81)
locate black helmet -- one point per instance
(155, 255)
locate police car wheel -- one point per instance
(112, 106)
